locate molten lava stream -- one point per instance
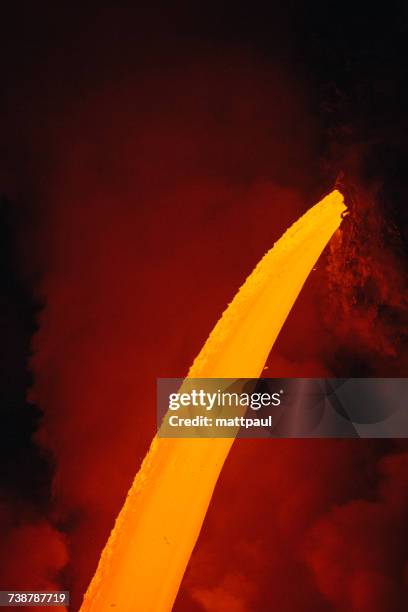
(143, 563)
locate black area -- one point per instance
(24, 470)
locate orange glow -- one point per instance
(143, 563)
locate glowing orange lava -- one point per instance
(143, 563)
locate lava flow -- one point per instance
(143, 563)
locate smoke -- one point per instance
(163, 183)
(367, 295)
(364, 536)
(33, 553)
(322, 529)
